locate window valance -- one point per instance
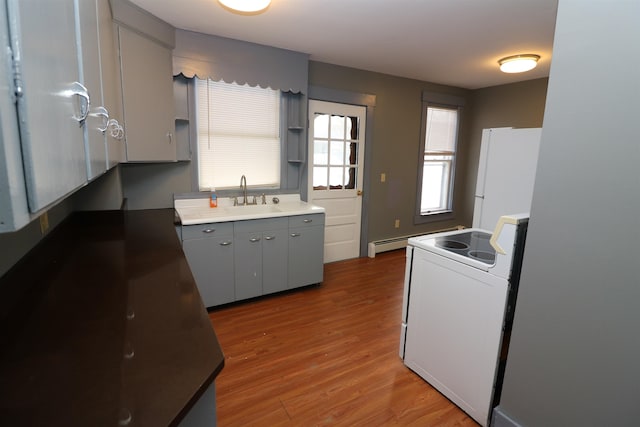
(220, 58)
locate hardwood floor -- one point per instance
(326, 355)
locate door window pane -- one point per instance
(353, 127)
(336, 176)
(337, 153)
(337, 127)
(320, 178)
(350, 178)
(320, 152)
(321, 126)
(353, 154)
(335, 145)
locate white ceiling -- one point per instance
(452, 42)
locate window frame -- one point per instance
(292, 106)
(450, 102)
(238, 91)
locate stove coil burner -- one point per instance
(451, 244)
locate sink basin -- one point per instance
(252, 209)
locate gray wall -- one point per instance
(575, 346)
(396, 139)
(103, 193)
(151, 186)
(395, 144)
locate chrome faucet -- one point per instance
(243, 187)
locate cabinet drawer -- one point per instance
(306, 220)
(200, 231)
(254, 225)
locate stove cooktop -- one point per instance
(470, 244)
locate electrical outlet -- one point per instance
(44, 223)
(383, 177)
(397, 224)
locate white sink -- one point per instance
(246, 209)
(197, 211)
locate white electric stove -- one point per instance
(459, 294)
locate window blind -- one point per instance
(238, 134)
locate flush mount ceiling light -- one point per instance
(245, 6)
(518, 63)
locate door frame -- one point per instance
(369, 102)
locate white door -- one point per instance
(336, 159)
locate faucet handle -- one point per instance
(235, 201)
(264, 199)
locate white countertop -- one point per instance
(197, 211)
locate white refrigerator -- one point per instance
(506, 174)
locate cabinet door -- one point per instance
(44, 45)
(248, 256)
(89, 61)
(111, 93)
(274, 261)
(212, 264)
(306, 247)
(147, 87)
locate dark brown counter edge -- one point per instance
(99, 286)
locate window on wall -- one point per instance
(438, 151)
(238, 134)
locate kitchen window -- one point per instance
(438, 151)
(238, 128)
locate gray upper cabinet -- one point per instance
(89, 61)
(104, 133)
(147, 87)
(51, 102)
(111, 92)
(52, 76)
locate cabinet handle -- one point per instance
(307, 221)
(269, 237)
(77, 89)
(170, 136)
(295, 234)
(208, 230)
(227, 243)
(104, 113)
(254, 239)
(115, 130)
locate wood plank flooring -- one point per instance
(326, 355)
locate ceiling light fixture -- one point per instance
(518, 63)
(246, 6)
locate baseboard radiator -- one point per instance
(385, 245)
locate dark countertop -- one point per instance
(102, 321)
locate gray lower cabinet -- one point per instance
(306, 246)
(259, 264)
(275, 260)
(233, 261)
(209, 249)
